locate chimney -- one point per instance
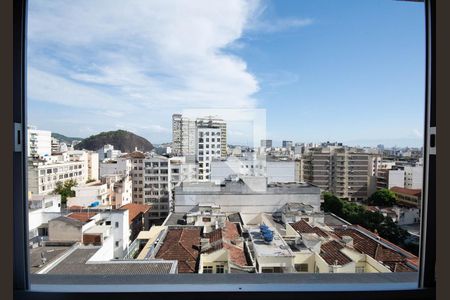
(347, 240)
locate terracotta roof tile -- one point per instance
(411, 192)
(181, 245)
(214, 236)
(222, 239)
(331, 253)
(237, 254)
(375, 250)
(81, 216)
(134, 210)
(303, 227)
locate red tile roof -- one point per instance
(134, 210)
(303, 227)
(331, 253)
(181, 245)
(81, 216)
(214, 236)
(230, 231)
(366, 245)
(222, 239)
(237, 255)
(410, 192)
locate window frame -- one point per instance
(261, 284)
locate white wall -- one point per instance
(245, 203)
(106, 251)
(413, 177)
(39, 141)
(396, 178)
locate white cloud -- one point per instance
(136, 62)
(156, 53)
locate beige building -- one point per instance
(347, 174)
(154, 178)
(43, 174)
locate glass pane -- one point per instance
(243, 136)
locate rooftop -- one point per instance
(376, 250)
(182, 244)
(410, 192)
(76, 263)
(303, 227)
(275, 248)
(83, 216)
(49, 252)
(331, 253)
(134, 210)
(240, 187)
(173, 219)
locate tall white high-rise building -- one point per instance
(204, 139)
(183, 136)
(39, 142)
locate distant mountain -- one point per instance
(65, 139)
(122, 140)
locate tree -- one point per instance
(332, 204)
(383, 197)
(392, 232)
(65, 190)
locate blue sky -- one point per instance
(350, 71)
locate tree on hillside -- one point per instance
(65, 190)
(383, 197)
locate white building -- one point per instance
(119, 166)
(250, 165)
(107, 152)
(97, 228)
(39, 142)
(113, 191)
(413, 177)
(41, 209)
(209, 143)
(250, 194)
(203, 139)
(154, 178)
(43, 174)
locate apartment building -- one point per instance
(413, 177)
(107, 152)
(286, 144)
(183, 136)
(41, 209)
(39, 142)
(112, 191)
(154, 177)
(43, 174)
(250, 164)
(346, 173)
(246, 194)
(408, 197)
(204, 139)
(266, 143)
(404, 176)
(118, 166)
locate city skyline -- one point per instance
(133, 75)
